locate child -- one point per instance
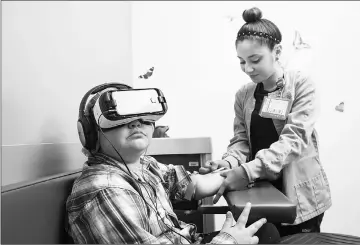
(124, 196)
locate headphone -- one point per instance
(86, 124)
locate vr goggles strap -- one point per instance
(93, 100)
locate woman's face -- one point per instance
(256, 60)
(133, 137)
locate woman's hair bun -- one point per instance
(252, 15)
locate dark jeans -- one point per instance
(207, 237)
(312, 225)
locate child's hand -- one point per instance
(241, 234)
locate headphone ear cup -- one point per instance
(92, 134)
(87, 132)
(81, 133)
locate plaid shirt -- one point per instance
(106, 205)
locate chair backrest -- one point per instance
(34, 212)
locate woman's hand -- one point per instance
(241, 234)
(206, 184)
(235, 179)
(211, 165)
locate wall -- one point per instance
(49, 47)
(191, 46)
(52, 53)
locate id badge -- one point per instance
(275, 108)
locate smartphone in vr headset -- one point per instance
(117, 107)
(136, 102)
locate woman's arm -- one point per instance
(294, 138)
(238, 150)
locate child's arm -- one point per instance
(181, 185)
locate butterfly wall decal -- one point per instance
(299, 56)
(298, 42)
(340, 107)
(147, 74)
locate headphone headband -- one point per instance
(86, 123)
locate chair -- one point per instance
(34, 212)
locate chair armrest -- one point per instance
(266, 202)
(209, 209)
(186, 205)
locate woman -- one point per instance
(274, 136)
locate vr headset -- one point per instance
(118, 107)
(116, 104)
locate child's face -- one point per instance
(133, 137)
(256, 60)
